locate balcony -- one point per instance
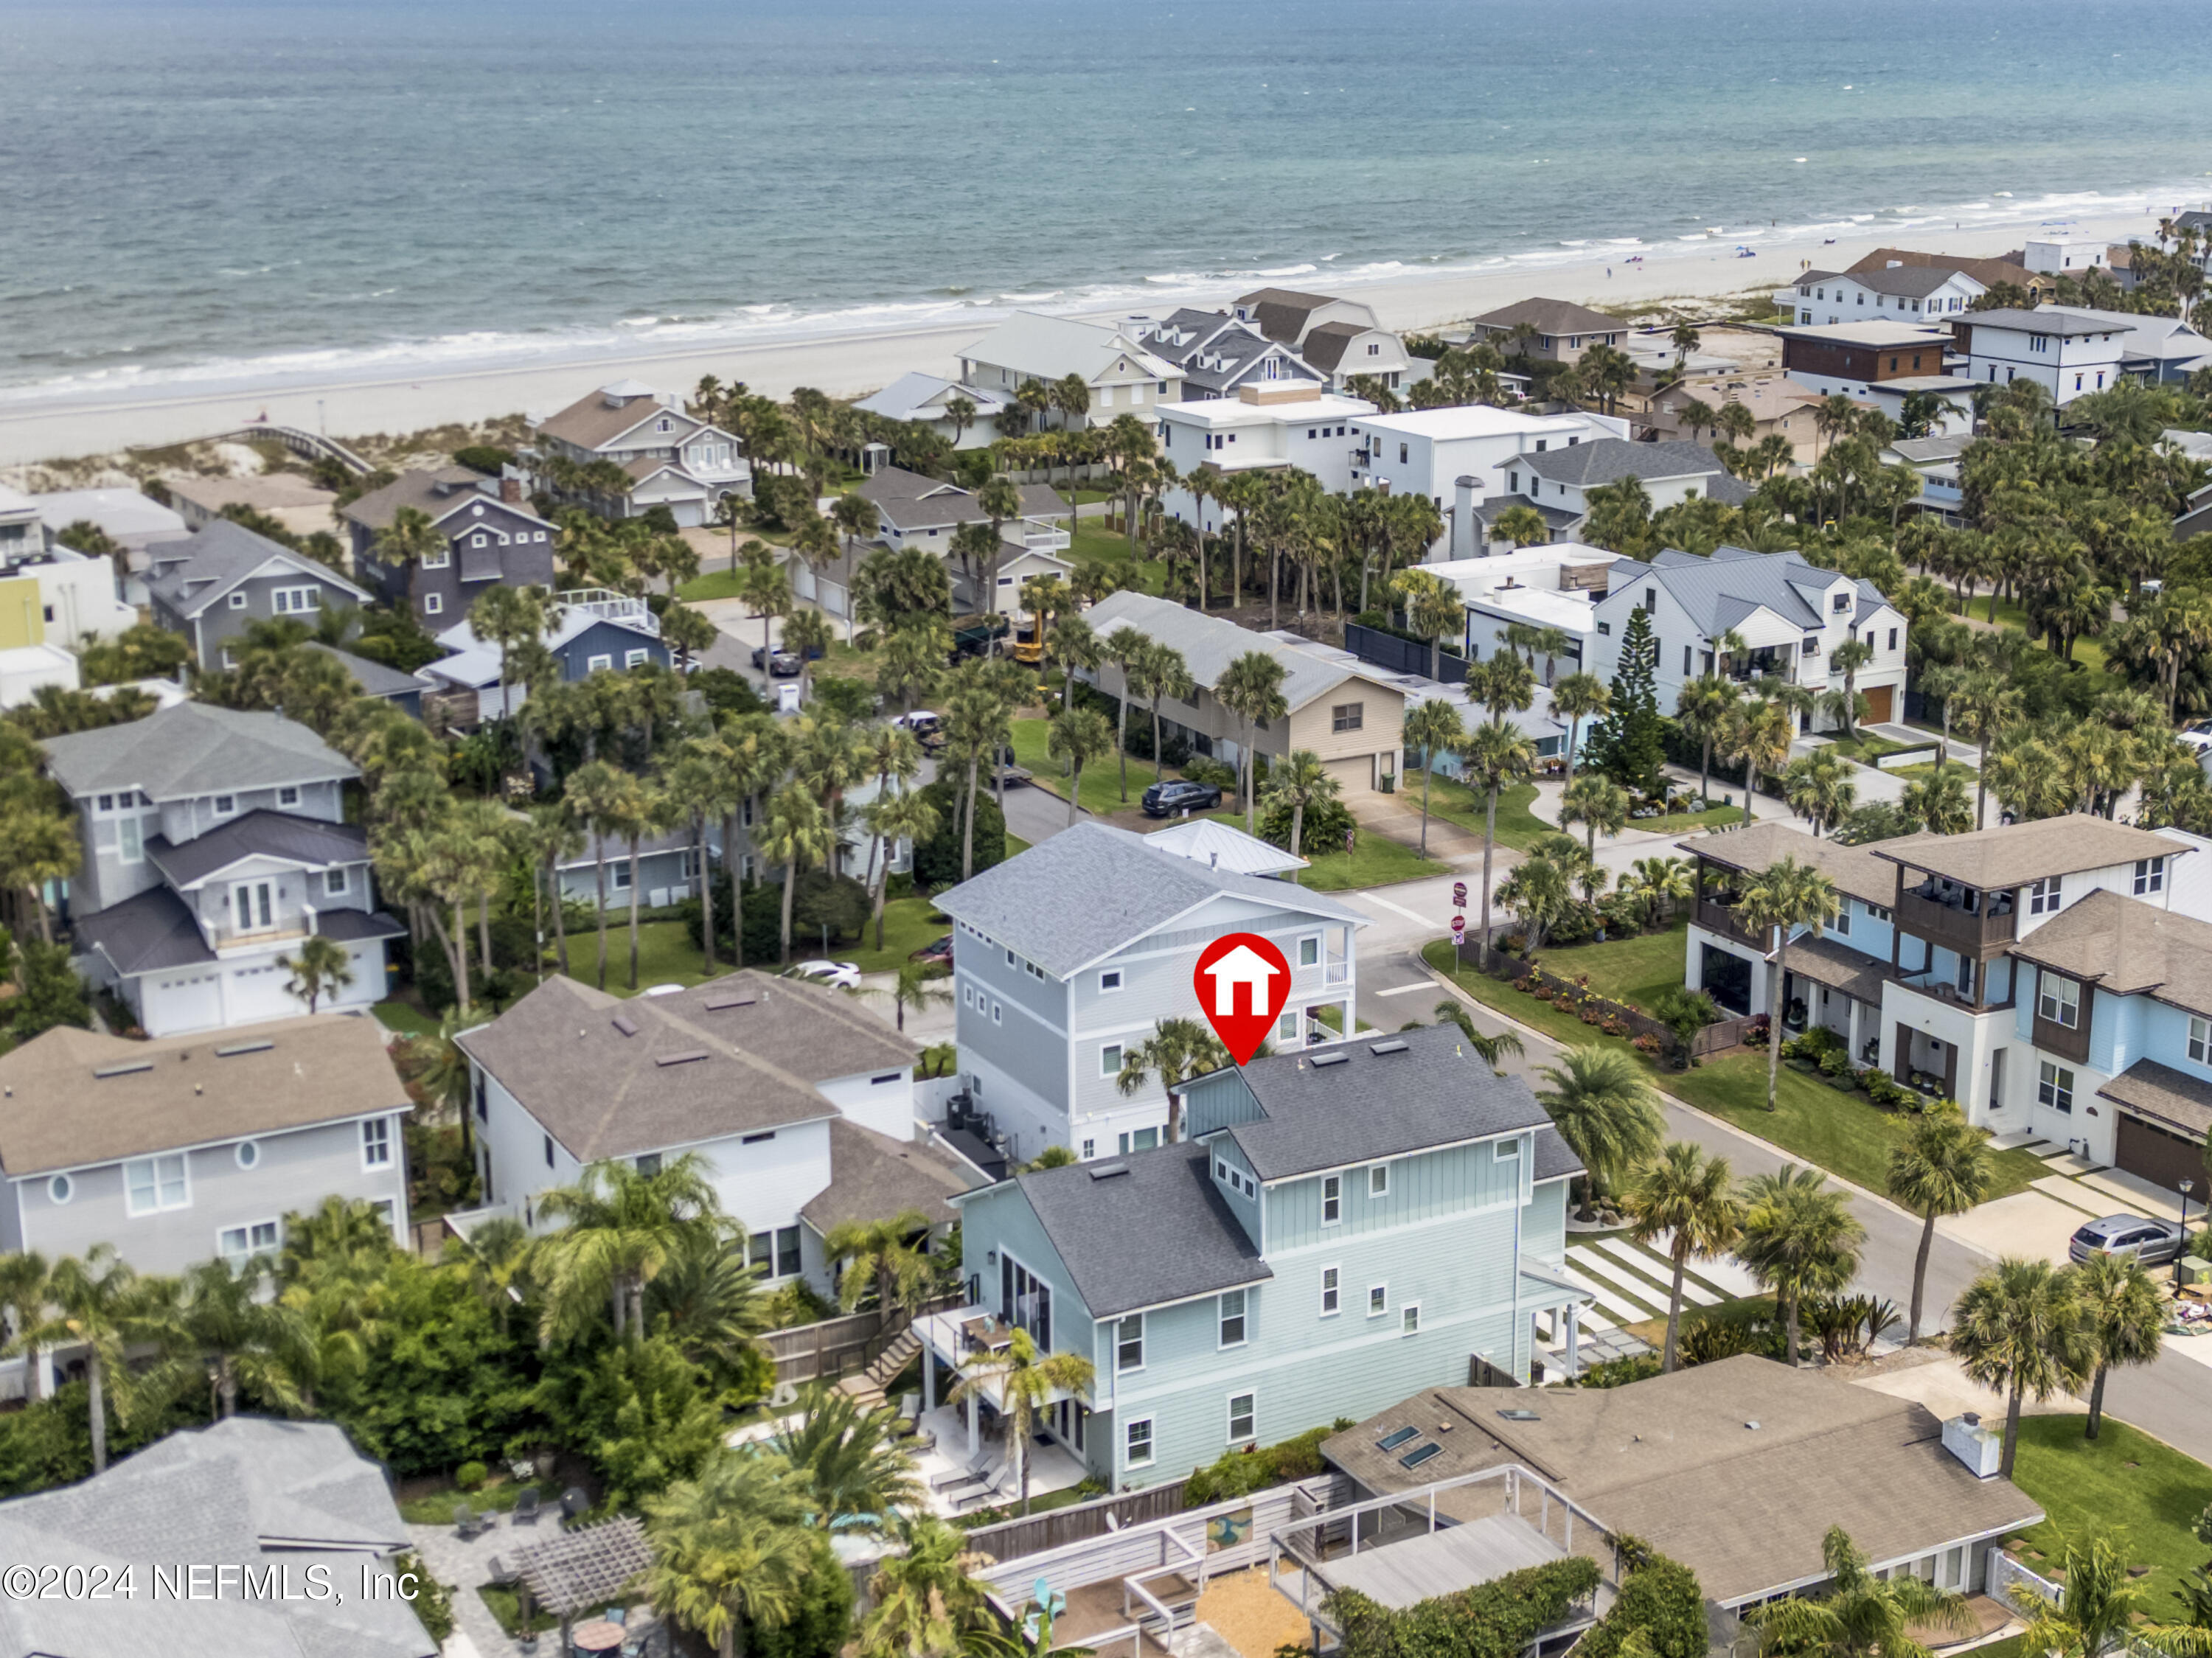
(1958, 918)
(1717, 913)
(1042, 535)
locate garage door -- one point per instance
(1878, 706)
(2158, 1153)
(181, 1004)
(257, 993)
(1356, 773)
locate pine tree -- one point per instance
(1632, 744)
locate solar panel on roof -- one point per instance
(1421, 1454)
(1397, 1438)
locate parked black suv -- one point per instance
(1166, 800)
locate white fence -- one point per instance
(2005, 1573)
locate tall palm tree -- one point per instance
(1847, 659)
(2019, 1329)
(916, 985)
(843, 1456)
(697, 792)
(1597, 802)
(1759, 733)
(508, 617)
(1686, 1197)
(1859, 1615)
(888, 1257)
(1078, 735)
(1176, 1051)
(1432, 727)
(99, 1304)
(924, 1603)
(1605, 1109)
(23, 1277)
(605, 799)
(1020, 1381)
(553, 839)
(620, 1228)
(1800, 1238)
(1938, 802)
(798, 834)
(1703, 709)
(1160, 674)
(1941, 1168)
(223, 1325)
(1299, 781)
(320, 966)
(1124, 647)
(911, 817)
(1784, 895)
(2125, 1315)
(808, 634)
(765, 588)
(409, 538)
(1987, 702)
(1819, 788)
(1491, 759)
(730, 1549)
(1251, 688)
(1579, 697)
(1488, 1049)
(2102, 1610)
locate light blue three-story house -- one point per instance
(1337, 1228)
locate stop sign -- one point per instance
(1459, 928)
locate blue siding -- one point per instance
(611, 641)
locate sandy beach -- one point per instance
(34, 428)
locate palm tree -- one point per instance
(1301, 781)
(697, 791)
(552, 838)
(730, 1549)
(2125, 1314)
(1941, 1168)
(1847, 659)
(2019, 1329)
(2101, 1609)
(1685, 1196)
(1784, 895)
(1078, 735)
(798, 834)
(1579, 697)
(1703, 710)
(1939, 802)
(1124, 647)
(1491, 759)
(844, 1458)
(1596, 802)
(923, 1602)
(1819, 788)
(99, 1304)
(606, 799)
(886, 1256)
(623, 1226)
(1657, 884)
(808, 634)
(1488, 1049)
(1858, 1615)
(1177, 1050)
(1524, 526)
(1987, 702)
(23, 1277)
(1251, 688)
(912, 817)
(1432, 727)
(409, 538)
(1074, 646)
(1434, 609)
(321, 966)
(1759, 733)
(508, 617)
(1020, 1381)
(223, 1325)
(765, 589)
(1160, 673)
(1605, 1109)
(1800, 1238)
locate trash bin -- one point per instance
(2193, 1269)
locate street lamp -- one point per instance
(2187, 1186)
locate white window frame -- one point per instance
(289, 795)
(1251, 1414)
(1310, 941)
(376, 1143)
(1409, 1318)
(1090, 1149)
(130, 840)
(1506, 1151)
(1129, 1457)
(2054, 1087)
(2057, 1000)
(225, 805)
(1223, 1317)
(440, 559)
(247, 1154)
(1332, 1291)
(1109, 982)
(434, 605)
(238, 1262)
(1378, 1300)
(1123, 1340)
(238, 600)
(334, 882)
(2200, 1040)
(153, 1165)
(1332, 1199)
(2047, 897)
(60, 1189)
(635, 659)
(267, 887)
(599, 664)
(1109, 1059)
(296, 601)
(2150, 875)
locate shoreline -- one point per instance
(74, 423)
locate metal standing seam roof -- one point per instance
(908, 398)
(1210, 643)
(2019, 854)
(1222, 845)
(1719, 592)
(1422, 1090)
(1051, 348)
(1084, 894)
(194, 748)
(261, 834)
(204, 567)
(1144, 1229)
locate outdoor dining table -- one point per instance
(597, 1636)
(988, 1334)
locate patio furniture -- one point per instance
(468, 1523)
(960, 1474)
(575, 1503)
(924, 1439)
(988, 1334)
(596, 1636)
(618, 1616)
(501, 1571)
(911, 1406)
(526, 1508)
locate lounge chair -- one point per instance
(500, 1571)
(957, 1476)
(465, 1522)
(526, 1507)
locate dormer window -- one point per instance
(664, 425)
(1841, 603)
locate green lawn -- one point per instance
(1517, 826)
(405, 1019)
(1016, 846)
(1377, 861)
(907, 928)
(1090, 540)
(666, 955)
(712, 584)
(2087, 652)
(436, 1507)
(1866, 748)
(1681, 823)
(2123, 1480)
(1631, 970)
(1844, 1134)
(1101, 778)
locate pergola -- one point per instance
(582, 1570)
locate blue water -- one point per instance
(191, 187)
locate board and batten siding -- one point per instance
(1454, 1180)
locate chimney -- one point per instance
(1463, 540)
(1980, 1448)
(1894, 265)
(510, 491)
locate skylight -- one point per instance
(684, 1058)
(1391, 1046)
(1421, 1454)
(1391, 1442)
(1321, 1060)
(243, 1047)
(124, 1070)
(626, 1025)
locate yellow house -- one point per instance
(26, 661)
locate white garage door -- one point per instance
(188, 1003)
(257, 993)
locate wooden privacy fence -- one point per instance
(1011, 1540)
(838, 1347)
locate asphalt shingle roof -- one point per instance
(1720, 592)
(1607, 460)
(2128, 948)
(873, 1177)
(1158, 1232)
(1087, 891)
(194, 572)
(438, 495)
(1552, 317)
(2017, 854)
(259, 834)
(1210, 643)
(908, 501)
(145, 933)
(193, 749)
(1366, 1105)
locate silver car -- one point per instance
(2153, 1242)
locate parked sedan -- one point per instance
(1166, 800)
(2153, 1242)
(936, 953)
(781, 664)
(839, 975)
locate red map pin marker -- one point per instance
(1241, 981)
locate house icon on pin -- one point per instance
(1241, 966)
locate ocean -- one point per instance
(195, 190)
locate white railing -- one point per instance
(1042, 535)
(2007, 1574)
(608, 606)
(1337, 971)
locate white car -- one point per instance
(840, 975)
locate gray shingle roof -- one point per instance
(1087, 891)
(259, 834)
(1431, 1092)
(375, 678)
(873, 1177)
(1324, 347)
(196, 572)
(1719, 592)
(1555, 1158)
(907, 501)
(1607, 460)
(602, 1093)
(145, 933)
(193, 749)
(1552, 317)
(437, 494)
(1913, 282)
(2052, 321)
(1159, 1232)
(246, 1492)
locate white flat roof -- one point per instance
(1571, 613)
(1556, 555)
(1866, 333)
(1234, 411)
(1475, 419)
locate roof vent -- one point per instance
(1520, 1414)
(125, 1070)
(626, 1025)
(1752, 1426)
(243, 1047)
(1108, 1171)
(723, 1003)
(684, 1058)
(1394, 1046)
(1321, 1060)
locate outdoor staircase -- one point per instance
(867, 1387)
